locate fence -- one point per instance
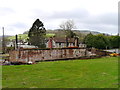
(25, 55)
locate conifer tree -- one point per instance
(37, 34)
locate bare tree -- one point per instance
(68, 25)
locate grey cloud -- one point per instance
(6, 11)
(104, 19)
(107, 22)
(72, 14)
(82, 16)
(38, 13)
(19, 25)
(16, 28)
(109, 18)
(102, 28)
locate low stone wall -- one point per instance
(100, 52)
(33, 55)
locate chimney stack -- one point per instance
(50, 43)
(76, 42)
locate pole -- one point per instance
(20, 42)
(3, 42)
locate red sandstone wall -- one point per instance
(38, 55)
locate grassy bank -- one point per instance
(93, 73)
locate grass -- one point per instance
(25, 36)
(20, 36)
(50, 35)
(93, 73)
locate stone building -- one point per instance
(55, 42)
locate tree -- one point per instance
(89, 40)
(26, 32)
(101, 41)
(98, 41)
(67, 27)
(37, 34)
(115, 41)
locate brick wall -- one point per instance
(26, 55)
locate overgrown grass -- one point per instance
(92, 73)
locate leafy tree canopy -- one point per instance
(99, 41)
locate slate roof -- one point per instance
(63, 40)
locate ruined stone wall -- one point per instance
(50, 54)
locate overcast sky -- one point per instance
(17, 16)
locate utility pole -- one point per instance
(3, 42)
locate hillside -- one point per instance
(25, 36)
(85, 32)
(75, 31)
(58, 33)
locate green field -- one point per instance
(92, 73)
(20, 36)
(25, 36)
(50, 35)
